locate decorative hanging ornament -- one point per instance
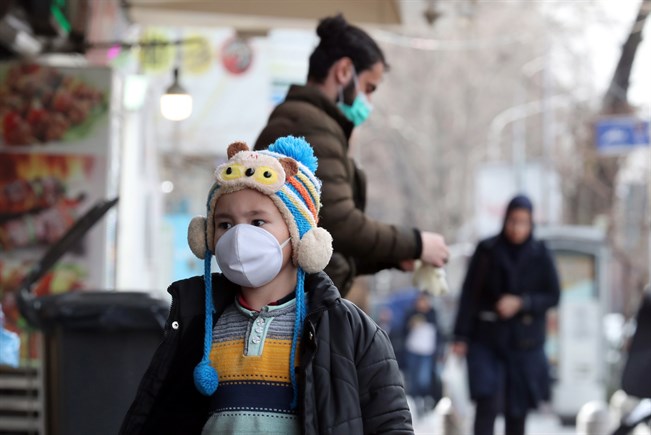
(236, 55)
(196, 56)
(157, 53)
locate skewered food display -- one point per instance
(40, 104)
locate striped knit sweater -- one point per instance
(250, 352)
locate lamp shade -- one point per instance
(176, 103)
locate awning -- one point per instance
(261, 15)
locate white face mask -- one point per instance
(249, 256)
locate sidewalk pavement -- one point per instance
(538, 423)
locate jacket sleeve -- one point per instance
(549, 295)
(366, 267)
(381, 391)
(354, 233)
(167, 401)
(467, 302)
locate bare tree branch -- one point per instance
(616, 99)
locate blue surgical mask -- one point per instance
(361, 108)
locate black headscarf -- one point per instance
(518, 202)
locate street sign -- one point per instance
(620, 134)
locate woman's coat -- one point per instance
(508, 353)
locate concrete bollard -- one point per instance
(620, 405)
(446, 422)
(593, 419)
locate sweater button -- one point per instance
(310, 335)
(175, 325)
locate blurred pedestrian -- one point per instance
(422, 343)
(638, 361)
(635, 380)
(510, 284)
(345, 69)
(385, 321)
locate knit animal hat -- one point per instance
(285, 173)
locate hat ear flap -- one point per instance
(314, 250)
(197, 236)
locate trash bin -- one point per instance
(97, 346)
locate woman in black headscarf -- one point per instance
(510, 284)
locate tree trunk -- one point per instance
(616, 100)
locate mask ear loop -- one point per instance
(355, 79)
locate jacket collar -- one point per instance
(310, 94)
(322, 292)
(191, 291)
(319, 286)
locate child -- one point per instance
(278, 349)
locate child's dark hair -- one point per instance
(340, 39)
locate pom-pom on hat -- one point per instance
(285, 173)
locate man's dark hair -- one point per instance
(340, 39)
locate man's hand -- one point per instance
(435, 251)
(508, 306)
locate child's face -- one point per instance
(248, 206)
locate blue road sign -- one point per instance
(619, 134)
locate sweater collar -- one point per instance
(312, 95)
(280, 302)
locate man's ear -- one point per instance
(343, 69)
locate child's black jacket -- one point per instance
(349, 377)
